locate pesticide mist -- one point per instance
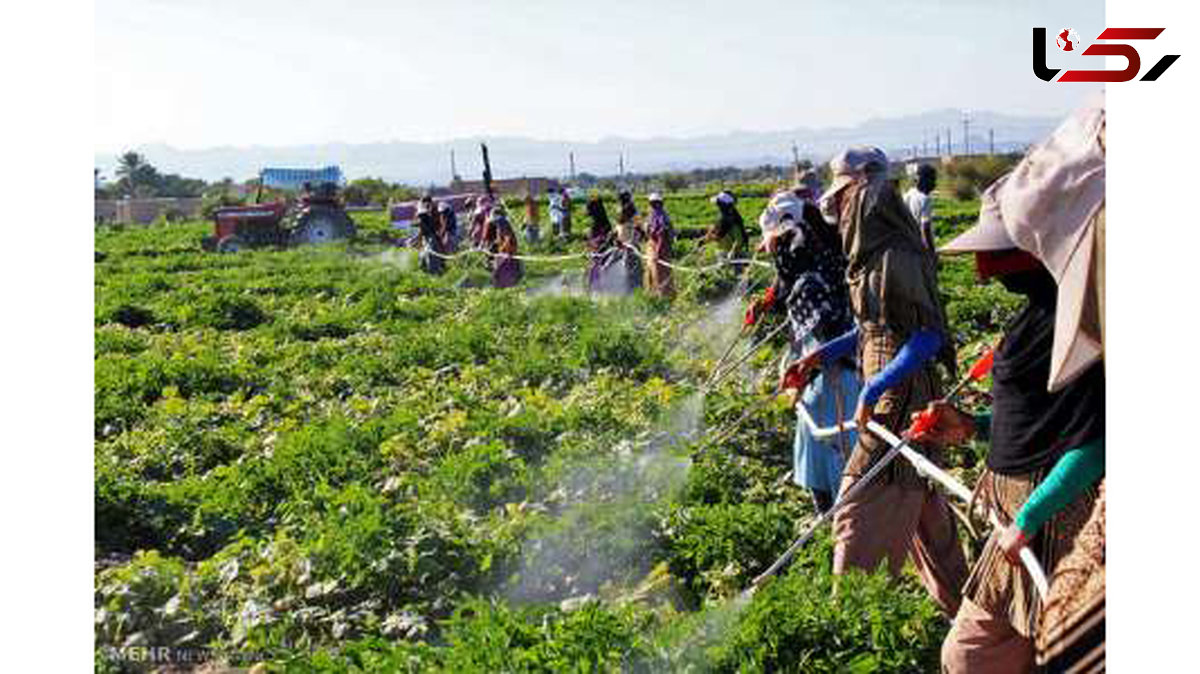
(402, 258)
(601, 539)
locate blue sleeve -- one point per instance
(919, 348)
(839, 346)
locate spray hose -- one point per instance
(924, 422)
(928, 469)
(590, 256)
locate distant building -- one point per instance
(146, 211)
(506, 187)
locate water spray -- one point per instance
(716, 379)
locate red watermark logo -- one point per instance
(1068, 41)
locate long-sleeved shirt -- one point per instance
(921, 346)
(1075, 471)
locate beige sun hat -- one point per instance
(1048, 206)
(854, 163)
(989, 232)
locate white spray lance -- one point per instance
(899, 446)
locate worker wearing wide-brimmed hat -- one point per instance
(900, 333)
(729, 231)
(660, 239)
(1036, 235)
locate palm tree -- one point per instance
(129, 165)
(136, 176)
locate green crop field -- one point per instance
(322, 459)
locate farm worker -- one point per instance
(810, 289)
(566, 204)
(1072, 624)
(430, 239)
(919, 200)
(729, 232)
(448, 226)
(479, 218)
(532, 226)
(630, 234)
(629, 221)
(1036, 234)
(601, 247)
(506, 269)
(558, 212)
(660, 236)
(900, 329)
(808, 187)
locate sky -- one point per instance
(281, 73)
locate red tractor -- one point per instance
(316, 217)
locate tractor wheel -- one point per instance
(322, 226)
(230, 244)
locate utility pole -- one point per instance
(925, 144)
(937, 139)
(487, 171)
(991, 141)
(571, 157)
(949, 142)
(453, 169)
(966, 133)
(621, 165)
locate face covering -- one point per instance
(830, 209)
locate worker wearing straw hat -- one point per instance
(900, 333)
(1036, 235)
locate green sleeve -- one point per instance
(1077, 470)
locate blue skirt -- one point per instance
(818, 464)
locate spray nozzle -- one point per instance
(984, 365)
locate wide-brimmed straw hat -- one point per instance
(1047, 206)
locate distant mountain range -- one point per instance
(429, 163)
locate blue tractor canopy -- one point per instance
(294, 178)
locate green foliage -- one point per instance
(136, 177)
(224, 312)
(326, 456)
(809, 622)
(967, 177)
